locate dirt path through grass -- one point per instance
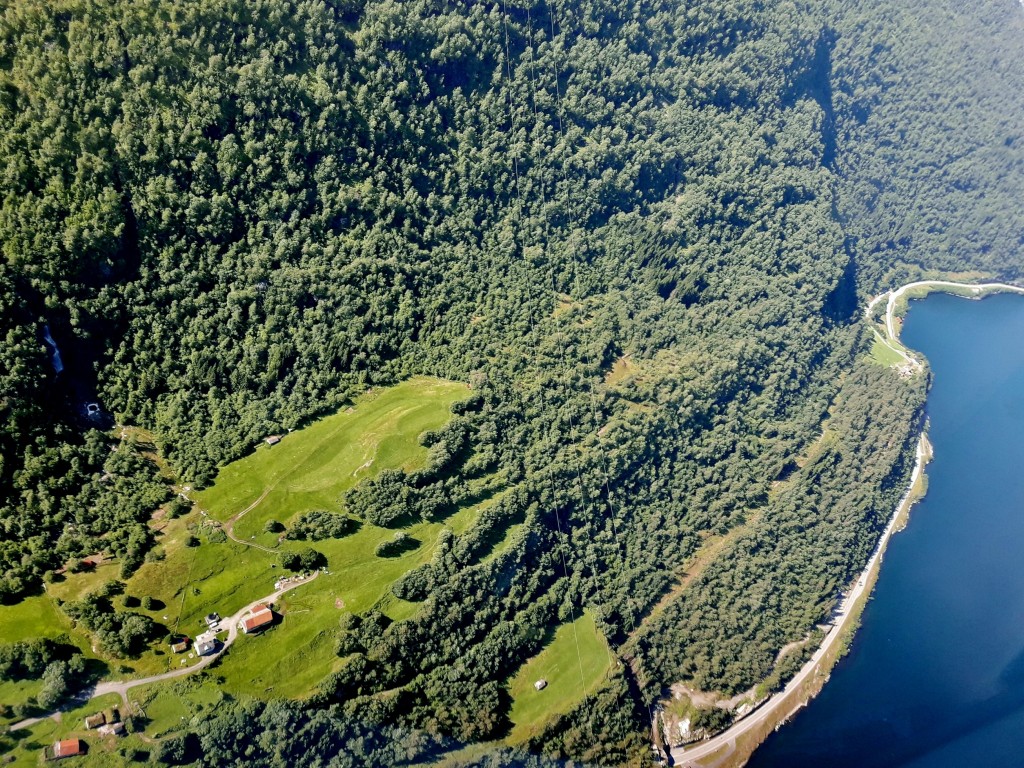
(121, 687)
(229, 526)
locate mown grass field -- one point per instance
(168, 705)
(312, 468)
(291, 658)
(33, 617)
(309, 469)
(884, 355)
(575, 663)
(192, 581)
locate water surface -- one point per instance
(935, 676)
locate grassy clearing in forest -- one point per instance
(311, 469)
(575, 663)
(33, 617)
(620, 371)
(884, 355)
(293, 657)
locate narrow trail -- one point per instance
(121, 687)
(692, 568)
(229, 525)
(239, 515)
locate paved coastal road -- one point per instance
(121, 687)
(774, 709)
(894, 296)
(891, 338)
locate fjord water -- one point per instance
(935, 675)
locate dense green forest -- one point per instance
(641, 230)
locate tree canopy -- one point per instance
(641, 230)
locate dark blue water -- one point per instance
(935, 677)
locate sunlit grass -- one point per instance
(574, 663)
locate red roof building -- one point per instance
(260, 618)
(68, 748)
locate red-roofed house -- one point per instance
(68, 748)
(260, 618)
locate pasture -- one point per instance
(309, 469)
(574, 663)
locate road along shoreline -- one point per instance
(891, 337)
(734, 746)
(974, 291)
(725, 748)
(805, 684)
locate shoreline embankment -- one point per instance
(734, 746)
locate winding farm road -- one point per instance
(773, 710)
(229, 527)
(121, 687)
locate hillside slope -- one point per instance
(640, 231)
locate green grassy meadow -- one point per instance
(102, 749)
(291, 658)
(168, 705)
(575, 663)
(884, 355)
(33, 617)
(309, 469)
